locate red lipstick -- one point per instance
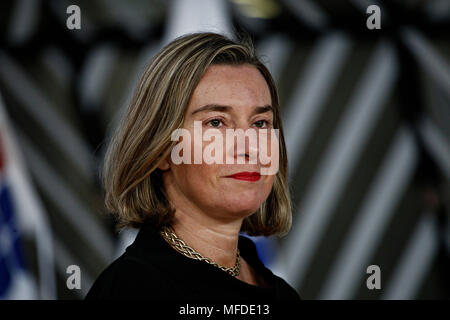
(246, 176)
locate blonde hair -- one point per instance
(133, 184)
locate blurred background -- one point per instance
(366, 117)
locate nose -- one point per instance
(251, 149)
(244, 148)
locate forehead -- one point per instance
(237, 86)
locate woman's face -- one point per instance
(227, 97)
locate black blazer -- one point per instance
(151, 269)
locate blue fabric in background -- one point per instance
(266, 248)
(11, 254)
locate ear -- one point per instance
(164, 165)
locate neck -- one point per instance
(215, 240)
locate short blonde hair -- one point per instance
(133, 184)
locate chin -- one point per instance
(243, 208)
(242, 203)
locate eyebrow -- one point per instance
(221, 108)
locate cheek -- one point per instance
(267, 187)
(195, 177)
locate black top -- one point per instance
(151, 269)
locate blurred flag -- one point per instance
(14, 280)
(266, 248)
(21, 218)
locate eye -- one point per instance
(261, 123)
(216, 123)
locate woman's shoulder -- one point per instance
(284, 290)
(129, 278)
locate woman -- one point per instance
(191, 213)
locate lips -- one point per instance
(246, 176)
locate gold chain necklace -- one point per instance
(179, 245)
